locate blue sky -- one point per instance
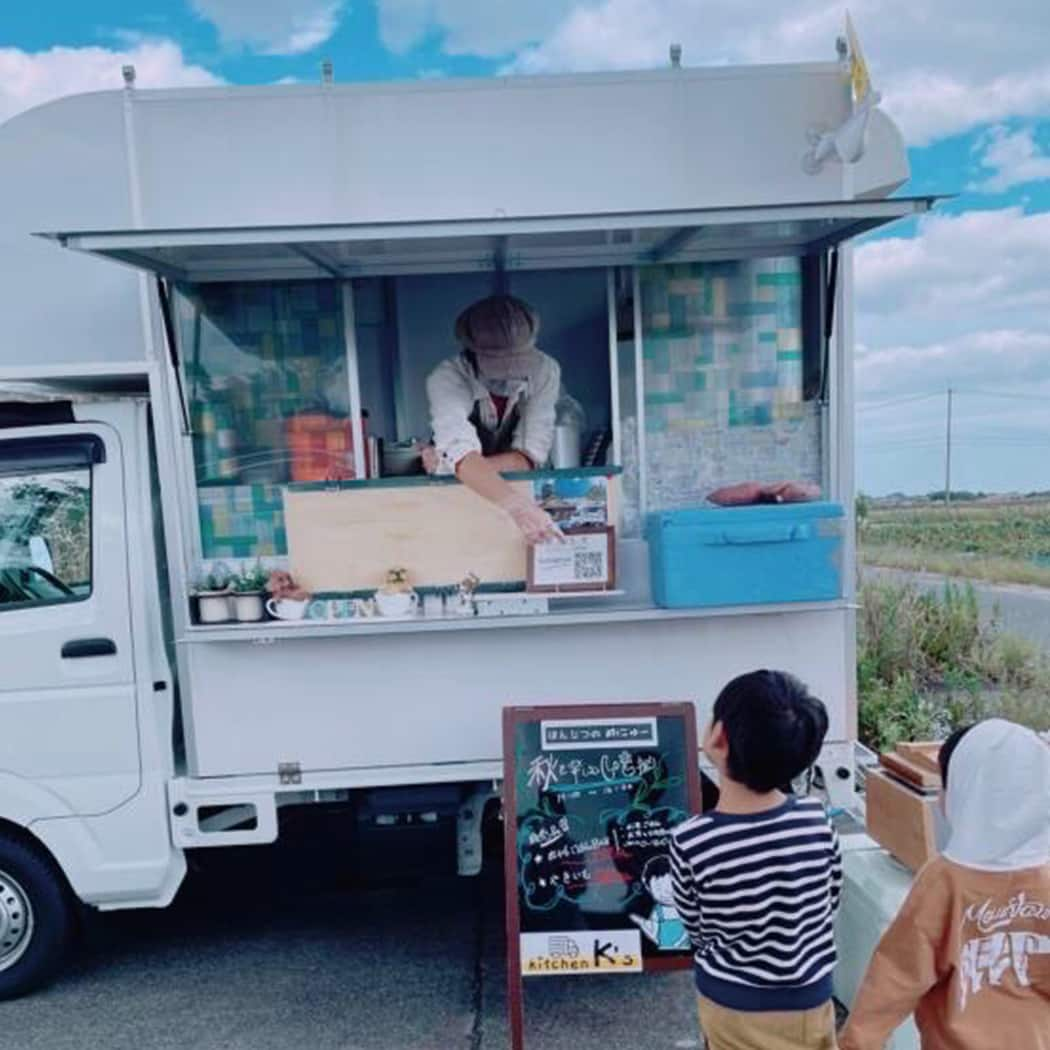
(960, 299)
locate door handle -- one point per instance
(83, 647)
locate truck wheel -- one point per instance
(36, 918)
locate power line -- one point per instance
(869, 405)
(1002, 394)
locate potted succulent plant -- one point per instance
(213, 594)
(248, 587)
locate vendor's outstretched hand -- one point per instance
(536, 524)
(431, 458)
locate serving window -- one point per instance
(267, 370)
(681, 379)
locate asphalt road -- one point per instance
(1024, 611)
(272, 948)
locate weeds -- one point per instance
(1003, 542)
(926, 663)
(993, 569)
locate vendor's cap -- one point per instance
(498, 324)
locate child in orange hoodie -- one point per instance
(969, 952)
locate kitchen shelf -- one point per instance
(274, 630)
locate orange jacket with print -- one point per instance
(969, 954)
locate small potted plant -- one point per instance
(213, 594)
(248, 587)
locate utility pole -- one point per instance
(948, 454)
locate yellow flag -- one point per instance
(858, 68)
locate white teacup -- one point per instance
(396, 603)
(286, 608)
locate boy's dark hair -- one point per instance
(944, 756)
(655, 868)
(774, 728)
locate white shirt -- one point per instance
(455, 386)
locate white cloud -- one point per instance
(958, 269)
(273, 27)
(1006, 357)
(929, 105)
(31, 78)
(1014, 159)
(963, 304)
(944, 65)
(493, 28)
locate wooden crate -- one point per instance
(901, 819)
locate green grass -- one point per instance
(965, 566)
(926, 664)
(1003, 542)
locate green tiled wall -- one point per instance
(722, 344)
(723, 372)
(253, 355)
(242, 521)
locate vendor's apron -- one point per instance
(496, 441)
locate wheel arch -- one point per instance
(21, 804)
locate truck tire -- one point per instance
(36, 918)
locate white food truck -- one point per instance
(202, 286)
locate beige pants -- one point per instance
(767, 1029)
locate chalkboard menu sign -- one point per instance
(591, 793)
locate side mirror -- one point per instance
(40, 554)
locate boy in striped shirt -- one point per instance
(757, 880)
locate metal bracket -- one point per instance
(289, 772)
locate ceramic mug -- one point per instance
(397, 603)
(286, 608)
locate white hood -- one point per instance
(998, 798)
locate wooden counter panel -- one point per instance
(347, 539)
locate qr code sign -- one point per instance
(588, 565)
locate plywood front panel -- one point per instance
(347, 539)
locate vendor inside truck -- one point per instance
(492, 408)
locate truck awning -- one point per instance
(264, 253)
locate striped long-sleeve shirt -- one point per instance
(758, 894)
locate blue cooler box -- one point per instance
(745, 555)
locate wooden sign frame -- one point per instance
(513, 717)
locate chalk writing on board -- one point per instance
(555, 773)
(582, 733)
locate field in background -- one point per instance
(926, 664)
(1001, 541)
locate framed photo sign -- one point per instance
(586, 561)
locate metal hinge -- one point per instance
(289, 772)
